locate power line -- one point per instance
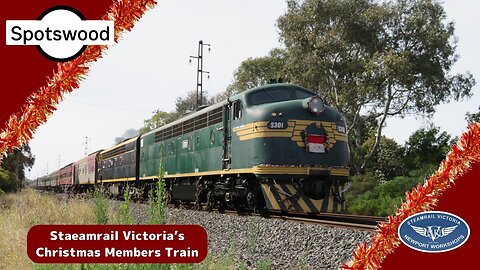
(86, 145)
(107, 107)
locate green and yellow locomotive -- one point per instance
(277, 147)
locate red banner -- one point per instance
(117, 244)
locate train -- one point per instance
(277, 147)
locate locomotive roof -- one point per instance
(222, 103)
(271, 86)
(189, 116)
(129, 140)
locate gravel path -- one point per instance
(253, 241)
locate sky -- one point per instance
(150, 68)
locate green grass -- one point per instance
(23, 210)
(100, 205)
(20, 211)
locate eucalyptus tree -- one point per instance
(254, 72)
(373, 60)
(471, 117)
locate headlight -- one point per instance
(316, 105)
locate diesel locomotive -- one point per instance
(278, 147)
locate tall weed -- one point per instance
(124, 215)
(100, 205)
(157, 203)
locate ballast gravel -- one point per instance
(253, 242)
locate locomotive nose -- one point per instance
(314, 104)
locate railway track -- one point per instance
(368, 223)
(338, 220)
(358, 222)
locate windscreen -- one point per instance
(263, 96)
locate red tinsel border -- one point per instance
(21, 126)
(125, 13)
(422, 198)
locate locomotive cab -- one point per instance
(296, 145)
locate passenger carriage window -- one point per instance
(269, 95)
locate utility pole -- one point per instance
(200, 71)
(86, 146)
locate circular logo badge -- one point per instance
(61, 50)
(434, 231)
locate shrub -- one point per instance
(8, 181)
(384, 198)
(362, 184)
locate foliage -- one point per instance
(426, 146)
(368, 197)
(183, 106)
(383, 199)
(100, 202)
(361, 183)
(387, 162)
(373, 194)
(470, 117)
(254, 72)
(8, 181)
(187, 104)
(129, 133)
(366, 127)
(157, 201)
(124, 215)
(157, 204)
(158, 119)
(16, 163)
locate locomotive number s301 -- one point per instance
(277, 125)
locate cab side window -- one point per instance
(237, 110)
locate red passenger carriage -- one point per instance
(66, 175)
